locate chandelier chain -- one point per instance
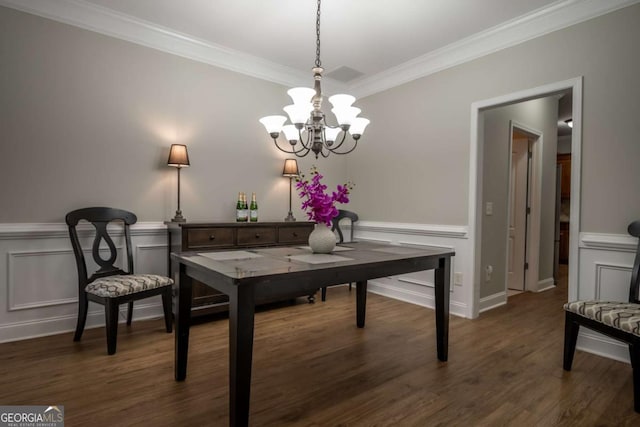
(318, 62)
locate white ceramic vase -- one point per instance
(322, 240)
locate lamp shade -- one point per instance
(358, 125)
(290, 168)
(273, 124)
(331, 134)
(178, 156)
(291, 133)
(341, 100)
(345, 115)
(298, 113)
(301, 95)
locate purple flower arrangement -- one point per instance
(320, 206)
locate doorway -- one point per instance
(479, 209)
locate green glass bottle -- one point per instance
(239, 208)
(253, 209)
(245, 209)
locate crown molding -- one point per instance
(89, 16)
(556, 16)
(106, 21)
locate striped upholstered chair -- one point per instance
(619, 320)
(110, 285)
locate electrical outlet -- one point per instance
(488, 271)
(457, 279)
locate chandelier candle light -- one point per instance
(309, 126)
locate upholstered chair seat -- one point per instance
(116, 286)
(620, 315)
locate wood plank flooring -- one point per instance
(313, 367)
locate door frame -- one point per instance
(534, 195)
(475, 176)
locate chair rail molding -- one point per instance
(452, 231)
(56, 230)
(603, 241)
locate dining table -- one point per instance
(252, 275)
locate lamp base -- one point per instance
(178, 217)
(290, 217)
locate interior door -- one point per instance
(517, 214)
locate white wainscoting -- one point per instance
(38, 278)
(38, 275)
(604, 272)
(417, 288)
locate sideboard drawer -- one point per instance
(293, 235)
(200, 238)
(256, 236)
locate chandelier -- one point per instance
(309, 130)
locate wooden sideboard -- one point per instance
(232, 235)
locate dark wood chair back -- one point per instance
(634, 290)
(336, 223)
(111, 292)
(100, 217)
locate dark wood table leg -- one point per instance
(361, 303)
(442, 278)
(183, 320)
(241, 323)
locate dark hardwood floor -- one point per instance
(313, 367)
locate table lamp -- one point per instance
(290, 170)
(178, 158)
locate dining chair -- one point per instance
(619, 320)
(110, 285)
(353, 218)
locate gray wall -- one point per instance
(88, 120)
(413, 165)
(564, 144)
(541, 115)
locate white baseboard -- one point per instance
(417, 298)
(62, 324)
(544, 285)
(493, 301)
(591, 342)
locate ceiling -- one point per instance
(367, 45)
(369, 36)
